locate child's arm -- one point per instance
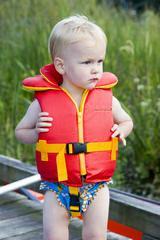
(123, 122)
(32, 124)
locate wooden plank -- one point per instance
(12, 170)
(38, 235)
(136, 213)
(19, 215)
(125, 208)
(10, 198)
(20, 225)
(136, 201)
(19, 208)
(33, 235)
(114, 236)
(147, 237)
(23, 168)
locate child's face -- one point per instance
(83, 63)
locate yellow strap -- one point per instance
(114, 148)
(74, 208)
(82, 164)
(44, 156)
(73, 190)
(99, 146)
(61, 166)
(75, 214)
(41, 147)
(104, 146)
(44, 148)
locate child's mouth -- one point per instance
(93, 80)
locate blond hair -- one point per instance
(70, 30)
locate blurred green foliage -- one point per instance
(132, 54)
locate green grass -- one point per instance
(132, 54)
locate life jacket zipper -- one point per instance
(80, 111)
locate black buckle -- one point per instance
(76, 148)
(74, 200)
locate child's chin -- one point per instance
(91, 87)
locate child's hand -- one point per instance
(118, 133)
(44, 122)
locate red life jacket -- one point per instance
(79, 141)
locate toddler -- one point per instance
(76, 124)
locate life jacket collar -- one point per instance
(49, 78)
(49, 73)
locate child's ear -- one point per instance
(59, 65)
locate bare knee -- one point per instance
(53, 236)
(55, 219)
(93, 235)
(55, 231)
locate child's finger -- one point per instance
(42, 130)
(122, 139)
(44, 124)
(115, 134)
(115, 126)
(43, 119)
(124, 142)
(43, 114)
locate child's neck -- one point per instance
(75, 92)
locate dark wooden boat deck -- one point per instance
(20, 218)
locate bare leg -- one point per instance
(55, 219)
(96, 217)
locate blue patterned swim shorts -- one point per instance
(86, 193)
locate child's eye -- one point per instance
(86, 62)
(100, 61)
(91, 61)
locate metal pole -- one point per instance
(20, 183)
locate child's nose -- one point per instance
(94, 69)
